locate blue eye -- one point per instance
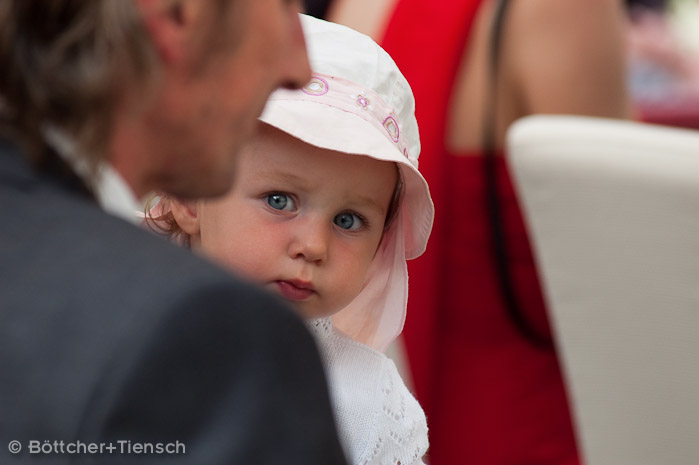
(280, 201)
(349, 221)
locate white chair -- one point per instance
(613, 213)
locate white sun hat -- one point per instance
(359, 103)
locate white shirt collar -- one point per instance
(116, 197)
(111, 190)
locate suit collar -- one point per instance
(16, 169)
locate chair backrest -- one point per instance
(612, 209)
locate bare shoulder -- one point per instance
(568, 56)
(570, 25)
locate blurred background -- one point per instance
(664, 60)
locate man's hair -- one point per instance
(64, 63)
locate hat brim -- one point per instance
(335, 129)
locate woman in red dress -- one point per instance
(486, 372)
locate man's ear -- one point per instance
(186, 213)
(172, 26)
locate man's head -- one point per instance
(166, 90)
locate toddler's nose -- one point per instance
(311, 242)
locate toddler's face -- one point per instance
(303, 221)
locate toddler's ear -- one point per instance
(186, 214)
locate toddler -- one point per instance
(326, 207)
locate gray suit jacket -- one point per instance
(109, 334)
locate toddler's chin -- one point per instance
(310, 313)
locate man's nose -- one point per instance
(297, 69)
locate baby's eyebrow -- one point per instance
(276, 175)
(369, 202)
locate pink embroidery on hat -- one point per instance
(316, 86)
(391, 126)
(362, 101)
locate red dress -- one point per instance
(491, 398)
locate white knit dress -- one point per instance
(379, 421)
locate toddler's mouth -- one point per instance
(295, 290)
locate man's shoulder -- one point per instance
(86, 261)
